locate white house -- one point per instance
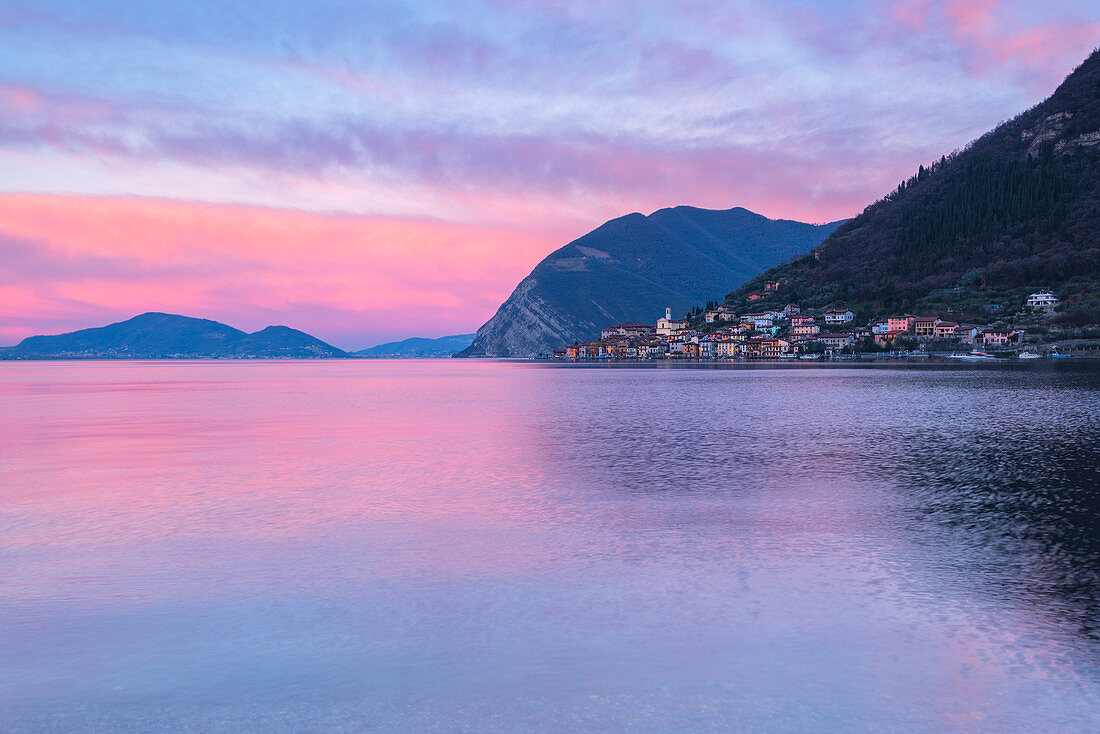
(839, 316)
(1043, 300)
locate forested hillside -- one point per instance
(1018, 209)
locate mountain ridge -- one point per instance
(418, 346)
(157, 335)
(631, 268)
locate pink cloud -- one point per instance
(970, 15)
(995, 37)
(19, 99)
(352, 279)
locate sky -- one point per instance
(374, 170)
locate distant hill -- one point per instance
(1017, 210)
(631, 268)
(168, 336)
(418, 347)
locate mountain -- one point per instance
(1017, 210)
(631, 268)
(167, 336)
(419, 346)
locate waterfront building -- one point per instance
(886, 338)
(593, 350)
(727, 348)
(838, 340)
(1000, 337)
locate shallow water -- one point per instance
(452, 545)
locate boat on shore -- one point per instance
(974, 356)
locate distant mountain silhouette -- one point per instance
(1017, 210)
(168, 336)
(631, 268)
(419, 346)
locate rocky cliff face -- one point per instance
(528, 323)
(631, 268)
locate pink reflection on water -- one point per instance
(499, 532)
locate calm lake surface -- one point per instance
(453, 546)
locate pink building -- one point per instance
(1000, 337)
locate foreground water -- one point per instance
(453, 546)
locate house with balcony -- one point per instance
(900, 323)
(652, 349)
(594, 350)
(727, 349)
(805, 328)
(837, 341)
(967, 333)
(945, 330)
(839, 316)
(1042, 300)
(925, 326)
(761, 320)
(727, 313)
(774, 348)
(1000, 337)
(766, 347)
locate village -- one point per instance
(720, 333)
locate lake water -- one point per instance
(471, 546)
